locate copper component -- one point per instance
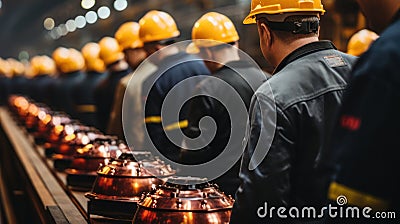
(65, 139)
(47, 125)
(82, 167)
(121, 183)
(184, 203)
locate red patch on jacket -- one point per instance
(350, 122)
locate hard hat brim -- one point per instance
(251, 18)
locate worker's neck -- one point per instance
(167, 51)
(281, 50)
(224, 57)
(120, 66)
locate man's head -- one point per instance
(360, 42)
(213, 36)
(157, 29)
(68, 60)
(91, 53)
(284, 25)
(379, 13)
(127, 36)
(110, 51)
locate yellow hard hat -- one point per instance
(42, 65)
(91, 53)
(5, 68)
(110, 51)
(213, 29)
(17, 68)
(60, 54)
(157, 26)
(68, 60)
(127, 35)
(360, 42)
(282, 6)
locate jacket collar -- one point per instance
(303, 51)
(396, 17)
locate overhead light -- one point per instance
(1, 4)
(63, 29)
(53, 34)
(23, 55)
(58, 31)
(103, 12)
(91, 17)
(120, 5)
(87, 4)
(48, 23)
(71, 25)
(80, 22)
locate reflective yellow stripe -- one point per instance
(178, 125)
(155, 119)
(356, 198)
(171, 127)
(86, 108)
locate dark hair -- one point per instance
(223, 46)
(162, 42)
(286, 35)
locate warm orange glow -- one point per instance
(58, 129)
(69, 138)
(135, 186)
(47, 119)
(33, 109)
(85, 149)
(104, 170)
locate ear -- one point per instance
(207, 54)
(264, 34)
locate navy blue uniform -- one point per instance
(172, 70)
(83, 95)
(19, 85)
(61, 92)
(104, 96)
(244, 78)
(369, 127)
(299, 103)
(4, 89)
(39, 87)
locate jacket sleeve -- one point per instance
(200, 107)
(269, 182)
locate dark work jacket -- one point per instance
(84, 98)
(244, 78)
(368, 128)
(4, 89)
(104, 96)
(61, 92)
(38, 88)
(290, 131)
(171, 70)
(19, 85)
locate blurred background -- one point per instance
(32, 27)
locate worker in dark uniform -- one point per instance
(4, 81)
(84, 92)
(43, 69)
(117, 68)
(158, 30)
(221, 46)
(19, 82)
(292, 114)
(368, 127)
(360, 42)
(70, 64)
(127, 36)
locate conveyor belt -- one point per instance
(55, 202)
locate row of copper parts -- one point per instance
(120, 180)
